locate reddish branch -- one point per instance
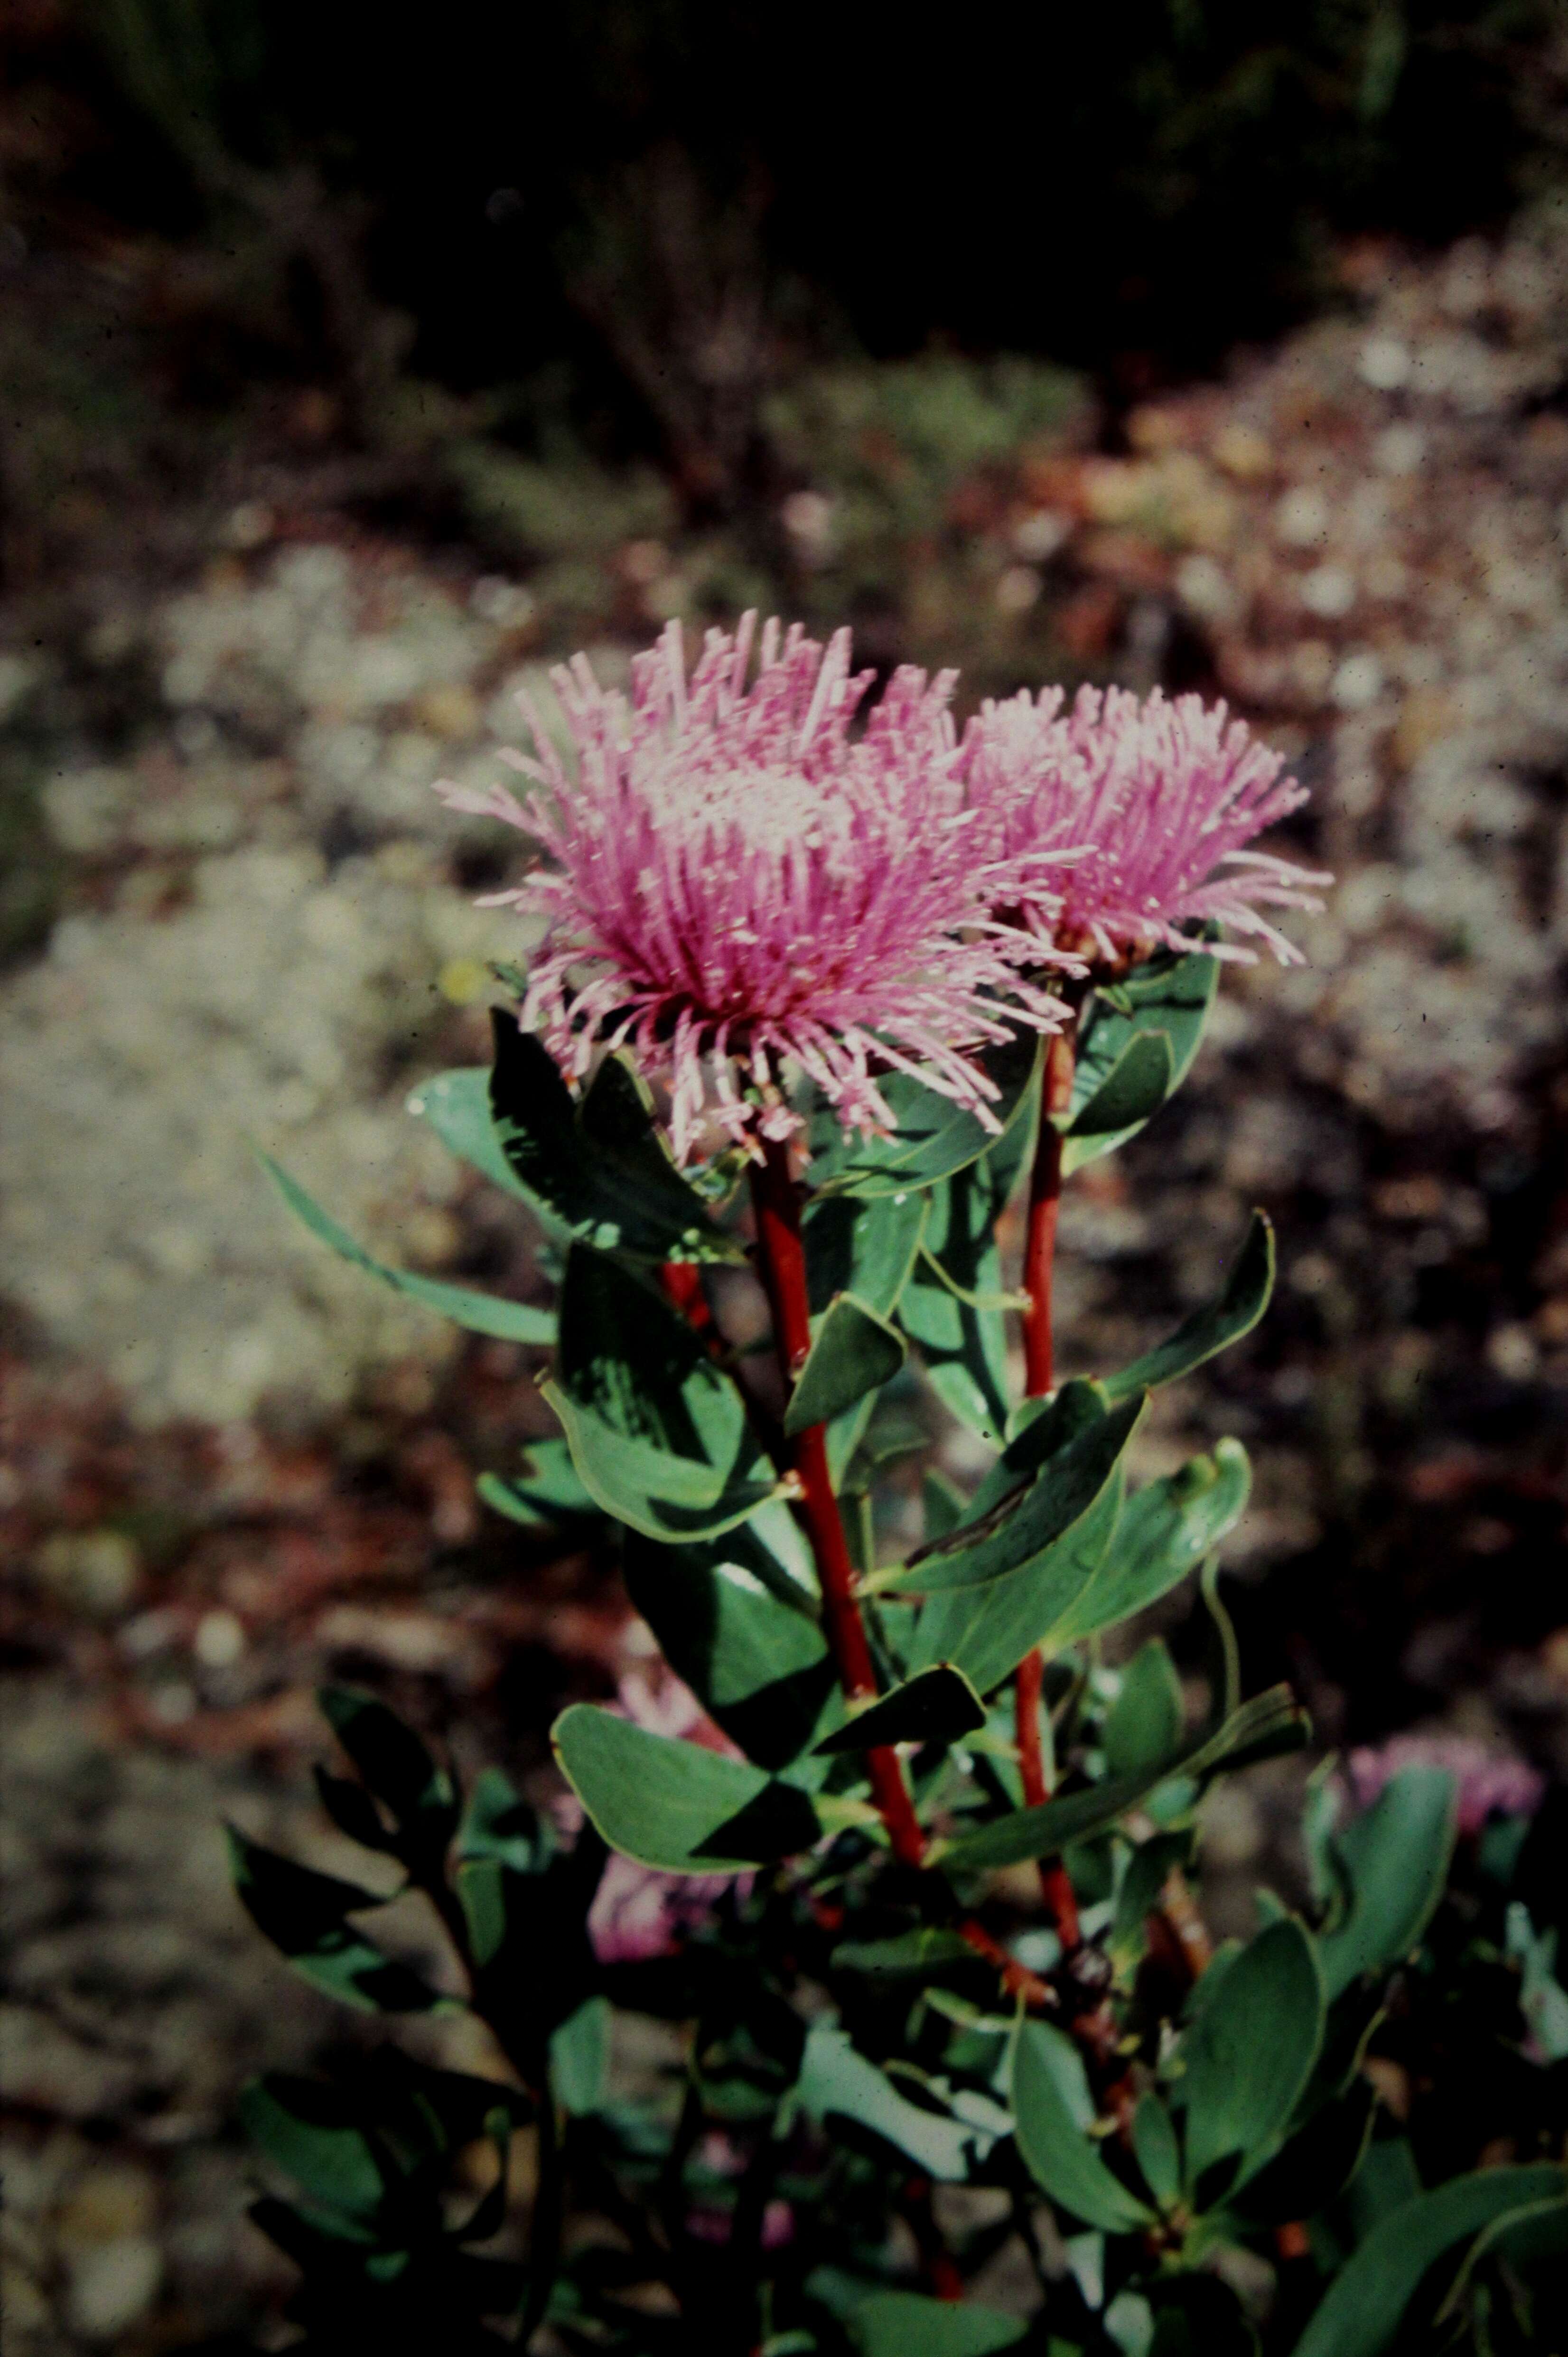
(1039, 1370)
(783, 1259)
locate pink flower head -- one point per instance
(639, 1911)
(736, 881)
(1158, 799)
(1490, 1784)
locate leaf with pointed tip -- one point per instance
(305, 1915)
(579, 2057)
(1359, 2314)
(1315, 2165)
(909, 2324)
(739, 1630)
(932, 1136)
(1029, 1520)
(396, 1768)
(311, 2131)
(853, 1352)
(1395, 1858)
(1251, 2052)
(480, 1313)
(906, 1954)
(862, 1245)
(1155, 2149)
(659, 1435)
(1135, 1089)
(948, 1307)
(673, 1804)
(547, 1493)
(837, 2081)
(1053, 2110)
(595, 1170)
(1167, 998)
(1164, 1532)
(987, 1631)
(1234, 1312)
(1144, 1725)
(1270, 1723)
(937, 1705)
(456, 1105)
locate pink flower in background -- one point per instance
(638, 1912)
(734, 882)
(1158, 799)
(1490, 1783)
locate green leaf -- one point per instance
(936, 1706)
(312, 2132)
(354, 1812)
(303, 1914)
(1164, 1531)
(595, 1171)
(456, 1106)
(906, 1955)
(933, 1137)
(908, 2324)
(674, 1805)
(659, 1435)
(499, 1824)
(1198, 2315)
(1030, 1519)
(986, 1631)
(481, 1313)
(1315, 2165)
(396, 1768)
(1138, 1893)
(1216, 1325)
(546, 1494)
(1251, 2052)
(579, 2057)
(948, 1309)
(1395, 1856)
(836, 2080)
(1053, 2108)
(1155, 2149)
(1168, 997)
(1037, 1431)
(853, 1352)
(1360, 2312)
(1270, 1723)
(732, 1622)
(1133, 1091)
(1143, 1726)
(862, 1246)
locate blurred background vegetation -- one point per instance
(560, 279)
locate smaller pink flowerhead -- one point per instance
(1158, 799)
(1490, 1784)
(738, 880)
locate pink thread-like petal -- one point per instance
(1156, 799)
(737, 874)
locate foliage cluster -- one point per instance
(895, 2077)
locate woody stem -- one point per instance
(1039, 1372)
(782, 1261)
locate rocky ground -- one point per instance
(233, 1466)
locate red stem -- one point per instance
(782, 1257)
(1040, 1370)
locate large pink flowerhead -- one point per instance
(1159, 798)
(738, 880)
